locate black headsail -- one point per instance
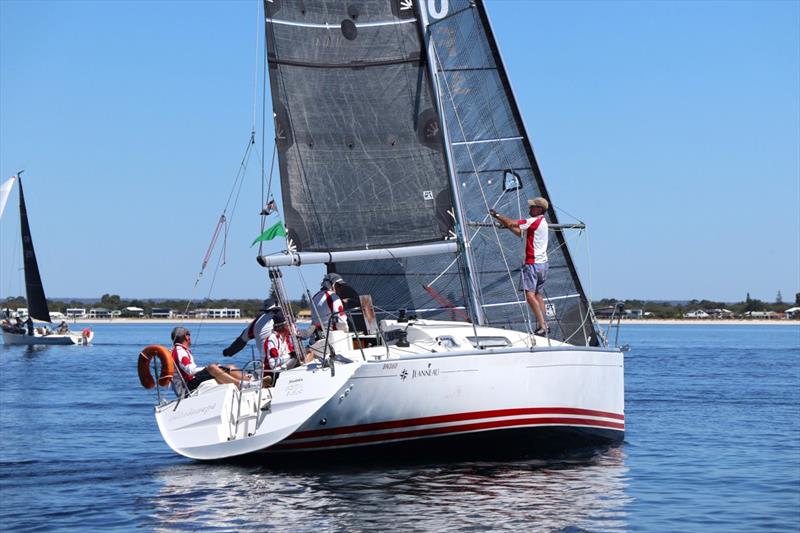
(37, 303)
(496, 168)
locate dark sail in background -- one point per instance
(37, 303)
(358, 138)
(492, 156)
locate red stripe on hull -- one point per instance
(458, 417)
(496, 424)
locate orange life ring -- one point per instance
(167, 368)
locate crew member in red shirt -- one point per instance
(533, 231)
(192, 374)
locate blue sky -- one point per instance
(671, 128)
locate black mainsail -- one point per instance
(360, 100)
(37, 303)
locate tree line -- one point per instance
(666, 309)
(251, 307)
(113, 302)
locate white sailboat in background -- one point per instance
(28, 334)
(396, 132)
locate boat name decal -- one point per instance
(198, 411)
(389, 366)
(425, 373)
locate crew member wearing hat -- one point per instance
(192, 374)
(534, 235)
(259, 329)
(280, 354)
(327, 302)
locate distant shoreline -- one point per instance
(637, 322)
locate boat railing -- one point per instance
(614, 321)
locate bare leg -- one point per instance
(221, 376)
(542, 308)
(533, 302)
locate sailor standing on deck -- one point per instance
(534, 235)
(260, 329)
(327, 302)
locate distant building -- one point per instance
(161, 312)
(76, 312)
(133, 312)
(699, 313)
(792, 312)
(720, 313)
(762, 314)
(224, 312)
(99, 312)
(22, 313)
(633, 313)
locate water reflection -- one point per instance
(532, 496)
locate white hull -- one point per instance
(52, 339)
(414, 397)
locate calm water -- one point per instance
(712, 444)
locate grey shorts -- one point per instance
(533, 277)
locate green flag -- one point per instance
(270, 233)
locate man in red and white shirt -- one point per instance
(278, 350)
(534, 235)
(259, 329)
(192, 374)
(327, 303)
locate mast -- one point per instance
(458, 208)
(34, 290)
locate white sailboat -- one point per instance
(28, 334)
(396, 132)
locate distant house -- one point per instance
(116, 313)
(762, 314)
(198, 313)
(633, 313)
(720, 313)
(161, 312)
(99, 312)
(224, 312)
(133, 312)
(699, 313)
(76, 312)
(792, 312)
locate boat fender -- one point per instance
(167, 368)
